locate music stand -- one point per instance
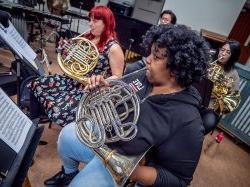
(20, 49)
(20, 168)
(28, 158)
(19, 137)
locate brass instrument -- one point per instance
(58, 7)
(224, 101)
(102, 117)
(78, 58)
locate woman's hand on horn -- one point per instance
(62, 45)
(96, 81)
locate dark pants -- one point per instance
(35, 108)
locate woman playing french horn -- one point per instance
(169, 119)
(225, 94)
(60, 95)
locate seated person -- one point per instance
(169, 120)
(167, 16)
(60, 95)
(226, 81)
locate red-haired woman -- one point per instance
(60, 95)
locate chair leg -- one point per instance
(42, 142)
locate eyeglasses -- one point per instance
(228, 52)
(165, 20)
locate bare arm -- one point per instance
(144, 175)
(151, 176)
(116, 60)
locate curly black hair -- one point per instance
(187, 52)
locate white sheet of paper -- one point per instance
(11, 36)
(14, 124)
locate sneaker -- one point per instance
(61, 178)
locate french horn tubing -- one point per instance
(104, 116)
(78, 58)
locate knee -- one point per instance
(67, 137)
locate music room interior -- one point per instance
(31, 37)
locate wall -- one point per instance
(104, 2)
(128, 2)
(214, 15)
(83, 24)
(101, 2)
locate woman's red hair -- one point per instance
(105, 14)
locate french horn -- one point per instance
(79, 57)
(223, 99)
(110, 115)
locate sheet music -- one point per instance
(14, 124)
(17, 43)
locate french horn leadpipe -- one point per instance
(102, 117)
(215, 61)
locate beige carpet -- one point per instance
(228, 167)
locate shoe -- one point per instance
(61, 178)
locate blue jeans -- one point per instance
(72, 152)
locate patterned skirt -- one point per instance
(59, 95)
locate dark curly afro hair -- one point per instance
(187, 52)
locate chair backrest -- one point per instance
(134, 66)
(237, 123)
(25, 93)
(205, 88)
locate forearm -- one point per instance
(159, 177)
(144, 175)
(165, 178)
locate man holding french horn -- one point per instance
(168, 132)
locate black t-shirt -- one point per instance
(171, 125)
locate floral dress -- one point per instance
(59, 95)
